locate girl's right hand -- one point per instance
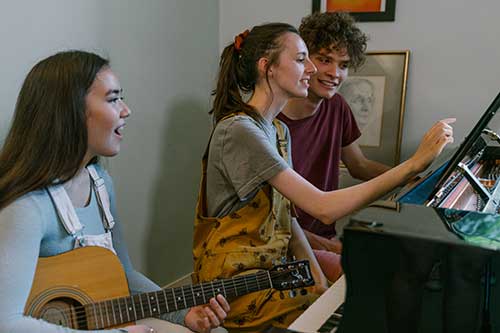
(432, 144)
(139, 329)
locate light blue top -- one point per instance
(29, 228)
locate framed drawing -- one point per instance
(376, 93)
(362, 10)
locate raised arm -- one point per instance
(330, 206)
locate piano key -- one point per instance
(312, 320)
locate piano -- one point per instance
(325, 313)
(428, 261)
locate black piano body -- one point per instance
(376, 243)
(430, 260)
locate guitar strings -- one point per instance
(78, 314)
(237, 283)
(80, 311)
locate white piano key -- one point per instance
(319, 312)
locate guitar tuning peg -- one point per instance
(292, 293)
(303, 292)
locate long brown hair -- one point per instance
(47, 140)
(238, 68)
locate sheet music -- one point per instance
(312, 319)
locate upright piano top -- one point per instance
(464, 171)
(486, 125)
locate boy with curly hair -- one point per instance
(322, 126)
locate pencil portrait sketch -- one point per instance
(365, 96)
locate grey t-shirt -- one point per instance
(243, 155)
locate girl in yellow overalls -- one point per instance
(243, 221)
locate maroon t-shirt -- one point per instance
(316, 147)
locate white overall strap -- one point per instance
(65, 209)
(102, 197)
(282, 141)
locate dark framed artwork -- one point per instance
(376, 93)
(362, 10)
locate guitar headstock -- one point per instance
(291, 275)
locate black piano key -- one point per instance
(333, 321)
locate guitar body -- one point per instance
(87, 289)
(82, 276)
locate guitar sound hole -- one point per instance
(64, 312)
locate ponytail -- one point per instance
(238, 67)
(228, 97)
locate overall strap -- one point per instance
(282, 141)
(102, 197)
(65, 210)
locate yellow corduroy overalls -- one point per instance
(244, 241)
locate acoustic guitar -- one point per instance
(87, 289)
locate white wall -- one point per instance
(238, 15)
(165, 54)
(454, 62)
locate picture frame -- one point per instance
(376, 93)
(361, 10)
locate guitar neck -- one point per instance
(126, 309)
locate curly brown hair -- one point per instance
(334, 31)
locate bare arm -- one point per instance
(358, 165)
(330, 206)
(300, 248)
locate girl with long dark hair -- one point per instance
(54, 197)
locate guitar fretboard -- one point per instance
(126, 309)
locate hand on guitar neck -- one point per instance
(200, 318)
(95, 295)
(203, 318)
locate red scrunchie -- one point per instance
(238, 40)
